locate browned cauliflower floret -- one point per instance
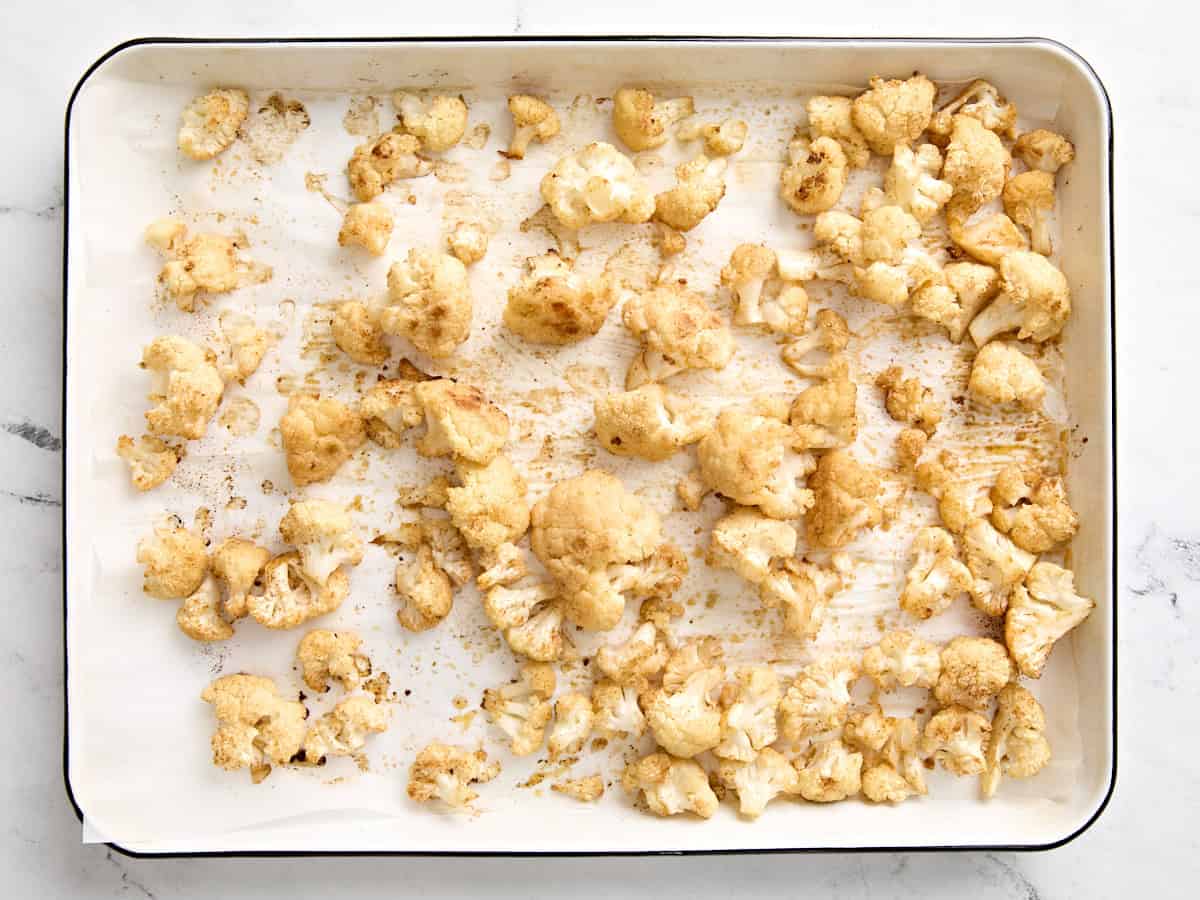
(990, 238)
(894, 112)
(356, 331)
(976, 166)
(936, 578)
(378, 163)
(637, 660)
(833, 117)
(489, 508)
(749, 713)
(1041, 612)
(825, 415)
(955, 737)
(959, 504)
(291, 598)
(909, 401)
(244, 345)
(830, 335)
(1034, 299)
(319, 435)
(1017, 746)
(892, 762)
(749, 543)
(974, 669)
(585, 790)
(439, 122)
(551, 304)
(640, 122)
(151, 461)
(802, 590)
(174, 558)
(445, 772)
(814, 177)
(1028, 200)
(759, 780)
(369, 225)
(533, 120)
(901, 659)
(522, 708)
(747, 458)
(1044, 150)
(953, 299)
(332, 655)
(617, 711)
(686, 721)
(830, 772)
(700, 187)
(912, 184)
(891, 269)
(255, 726)
(210, 122)
(185, 387)
(1032, 510)
(343, 731)
(671, 786)
(720, 138)
(204, 263)
(678, 331)
(573, 719)
(200, 618)
(597, 184)
(979, 100)
(324, 535)
(761, 295)
(389, 409)
(818, 699)
(237, 563)
(460, 422)
(468, 242)
(845, 500)
(429, 302)
(997, 566)
(649, 422)
(425, 588)
(910, 444)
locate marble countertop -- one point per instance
(1142, 843)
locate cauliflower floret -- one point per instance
(237, 563)
(902, 659)
(686, 721)
(599, 600)
(893, 112)
(343, 731)
(617, 711)
(1044, 150)
(833, 117)
(573, 719)
(955, 737)
(245, 345)
(803, 590)
(825, 415)
(540, 637)
(637, 660)
(185, 387)
(389, 409)
(814, 177)
(319, 435)
(953, 299)
(831, 772)
(649, 422)
(748, 721)
(831, 335)
(529, 617)
(199, 617)
(749, 542)
(585, 790)
(886, 231)
(151, 461)
(842, 234)
(369, 225)
(468, 242)
(640, 122)
(209, 263)
(597, 184)
(677, 330)
(759, 780)
(1028, 199)
(533, 120)
(507, 607)
(461, 422)
(551, 304)
(324, 535)
(504, 566)
(979, 100)
(490, 508)
(425, 588)
(936, 578)
(210, 122)
(818, 699)
(974, 669)
(378, 163)
(290, 598)
(522, 709)
(255, 726)
(910, 444)
(1017, 746)
(445, 772)
(892, 764)
(891, 270)
(1037, 516)
(976, 166)
(324, 655)
(845, 500)
(909, 401)
(356, 331)
(1042, 611)
(671, 786)
(438, 122)
(700, 187)
(1035, 299)
(720, 138)
(762, 297)
(175, 560)
(429, 302)
(911, 183)
(958, 503)
(989, 239)
(997, 566)
(746, 458)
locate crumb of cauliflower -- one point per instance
(319, 435)
(369, 225)
(468, 242)
(210, 123)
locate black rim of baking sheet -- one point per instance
(557, 39)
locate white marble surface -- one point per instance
(1143, 843)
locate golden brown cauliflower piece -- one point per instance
(533, 120)
(830, 772)
(291, 598)
(551, 304)
(699, 189)
(319, 435)
(1028, 201)
(814, 177)
(429, 302)
(892, 762)
(597, 184)
(237, 563)
(150, 460)
(1042, 611)
(389, 409)
(762, 296)
(204, 263)
(955, 737)
(747, 458)
(1035, 300)
(185, 387)
(585, 790)
(343, 731)
(387, 158)
(640, 122)
(369, 225)
(356, 331)
(174, 558)
(332, 655)
(671, 786)
(244, 346)
(825, 415)
(1017, 746)
(439, 122)
(974, 669)
(979, 100)
(953, 298)
(460, 422)
(529, 617)
(833, 117)
(468, 242)
(210, 122)
(489, 508)
(909, 401)
(937, 576)
(988, 239)
(803, 590)
(893, 112)
(720, 138)
(637, 660)
(678, 331)
(686, 721)
(445, 772)
(749, 543)
(199, 616)
(1044, 150)
(910, 444)
(1002, 374)
(522, 709)
(911, 182)
(1033, 510)
(845, 500)
(901, 659)
(748, 717)
(324, 535)
(958, 502)
(255, 726)
(573, 719)
(759, 780)
(818, 699)
(649, 422)
(997, 566)
(425, 588)
(976, 166)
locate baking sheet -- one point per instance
(139, 734)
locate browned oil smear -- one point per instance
(240, 416)
(362, 117)
(276, 125)
(477, 137)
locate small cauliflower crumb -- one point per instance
(319, 435)
(151, 461)
(444, 772)
(174, 558)
(369, 225)
(534, 120)
(468, 241)
(255, 726)
(641, 122)
(677, 330)
(597, 184)
(185, 387)
(585, 790)
(210, 123)
(429, 302)
(552, 304)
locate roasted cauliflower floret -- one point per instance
(830, 335)
(845, 500)
(573, 719)
(746, 457)
(324, 535)
(989, 238)
(814, 177)
(388, 158)
(425, 588)
(686, 721)
(979, 100)
(748, 719)
(1017, 746)
(504, 566)
(637, 660)
(671, 786)
(649, 422)
(1032, 510)
(429, 302)
(343, 731)
(720, 138)
(909, 401)
(319, 435)
(677, 330)
(641, 123)
(326, 656)
(185, 387)
(825, 415)
(1035, 300)
(761, 295)
(818, 699)
(1041, 612)
(200, 618)
(460, 422)
(974, 669)
(290, 598)
(1028, 201)
(369, 225)
(893, 112)
(901, 659)
(468, 242)
(551, 304)
(749, 543)
(356, 331)
(759, 780)
(210, 123)
(174, 560)
(534, 120)
(255, 726)
(912, 184)
(597, 184)
(439, 122)
(522, 709)
(892, 763)
(150, 460)
(204, 263)
(833, 117)
(389, 409)
(489, 508)
(237, 563)
(976, 166)
(700, 187)
(959, 504)
(910, 444)
(1044, 150)
(244, 345)
(617, 710)
(830, 772)
(803, 590)
(445, 772)
(955, 737)
(997, 566)
(936, 578)
(953, 299)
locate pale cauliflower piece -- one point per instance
(976, 166)
(489, 508)
(185, 387)
(1028, 200)
(833, 117)
(429, 302)
(637, 660)
(671, 786)
(324, 534)
(974, 669)
(909, 401)
(445, 772)
(912, 184)
(893, 112)
(199, 617)
(845, 500)
(937, 576)
(210, 122)
(468, 242)
(439, 122)
(700, 187)
(343, 731)
(997, 566)
(552, 304)
(1041, 612)
(901, 659)
(237, 563)
(831, 772)
(686, 721)
(749, 543)
(245, 345)
(573, 719)
(1017, 746)
(695, 655)
(319, 435)
(1002, 374)
(503, 566)
(830, 335)
(290, 598)
(255, 726)
(1044, 150)
(720, 138)
(953, 299)
(378, 163)
(747, 458)
(761, 295)
(759, 780)
(369, 225)
(326, 656)
(174, 558)
(1035, 300)
(1033, 510)
(979, 100)
(425, 588)
(356, 331)
(677, 330)
(641, 123)
(522, 709)
(910, 444)
(815, 175)
(540, 637)
(150, 460)
(803, 590)
(959, 505)
(204, 263)
(892, 762)
(617, 710)
(955, 737)
(597, 184)
(748, 722)
(818, 699)
(389, 409)
(585, 790)
(990, 238)
(825, 415)
(534, 120)
(649, 422)
(508, 606)
(461, 422)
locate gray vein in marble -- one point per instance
(36, 434)
(37, 499)
(53, 211)
(1020, 885)
(128, 882)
